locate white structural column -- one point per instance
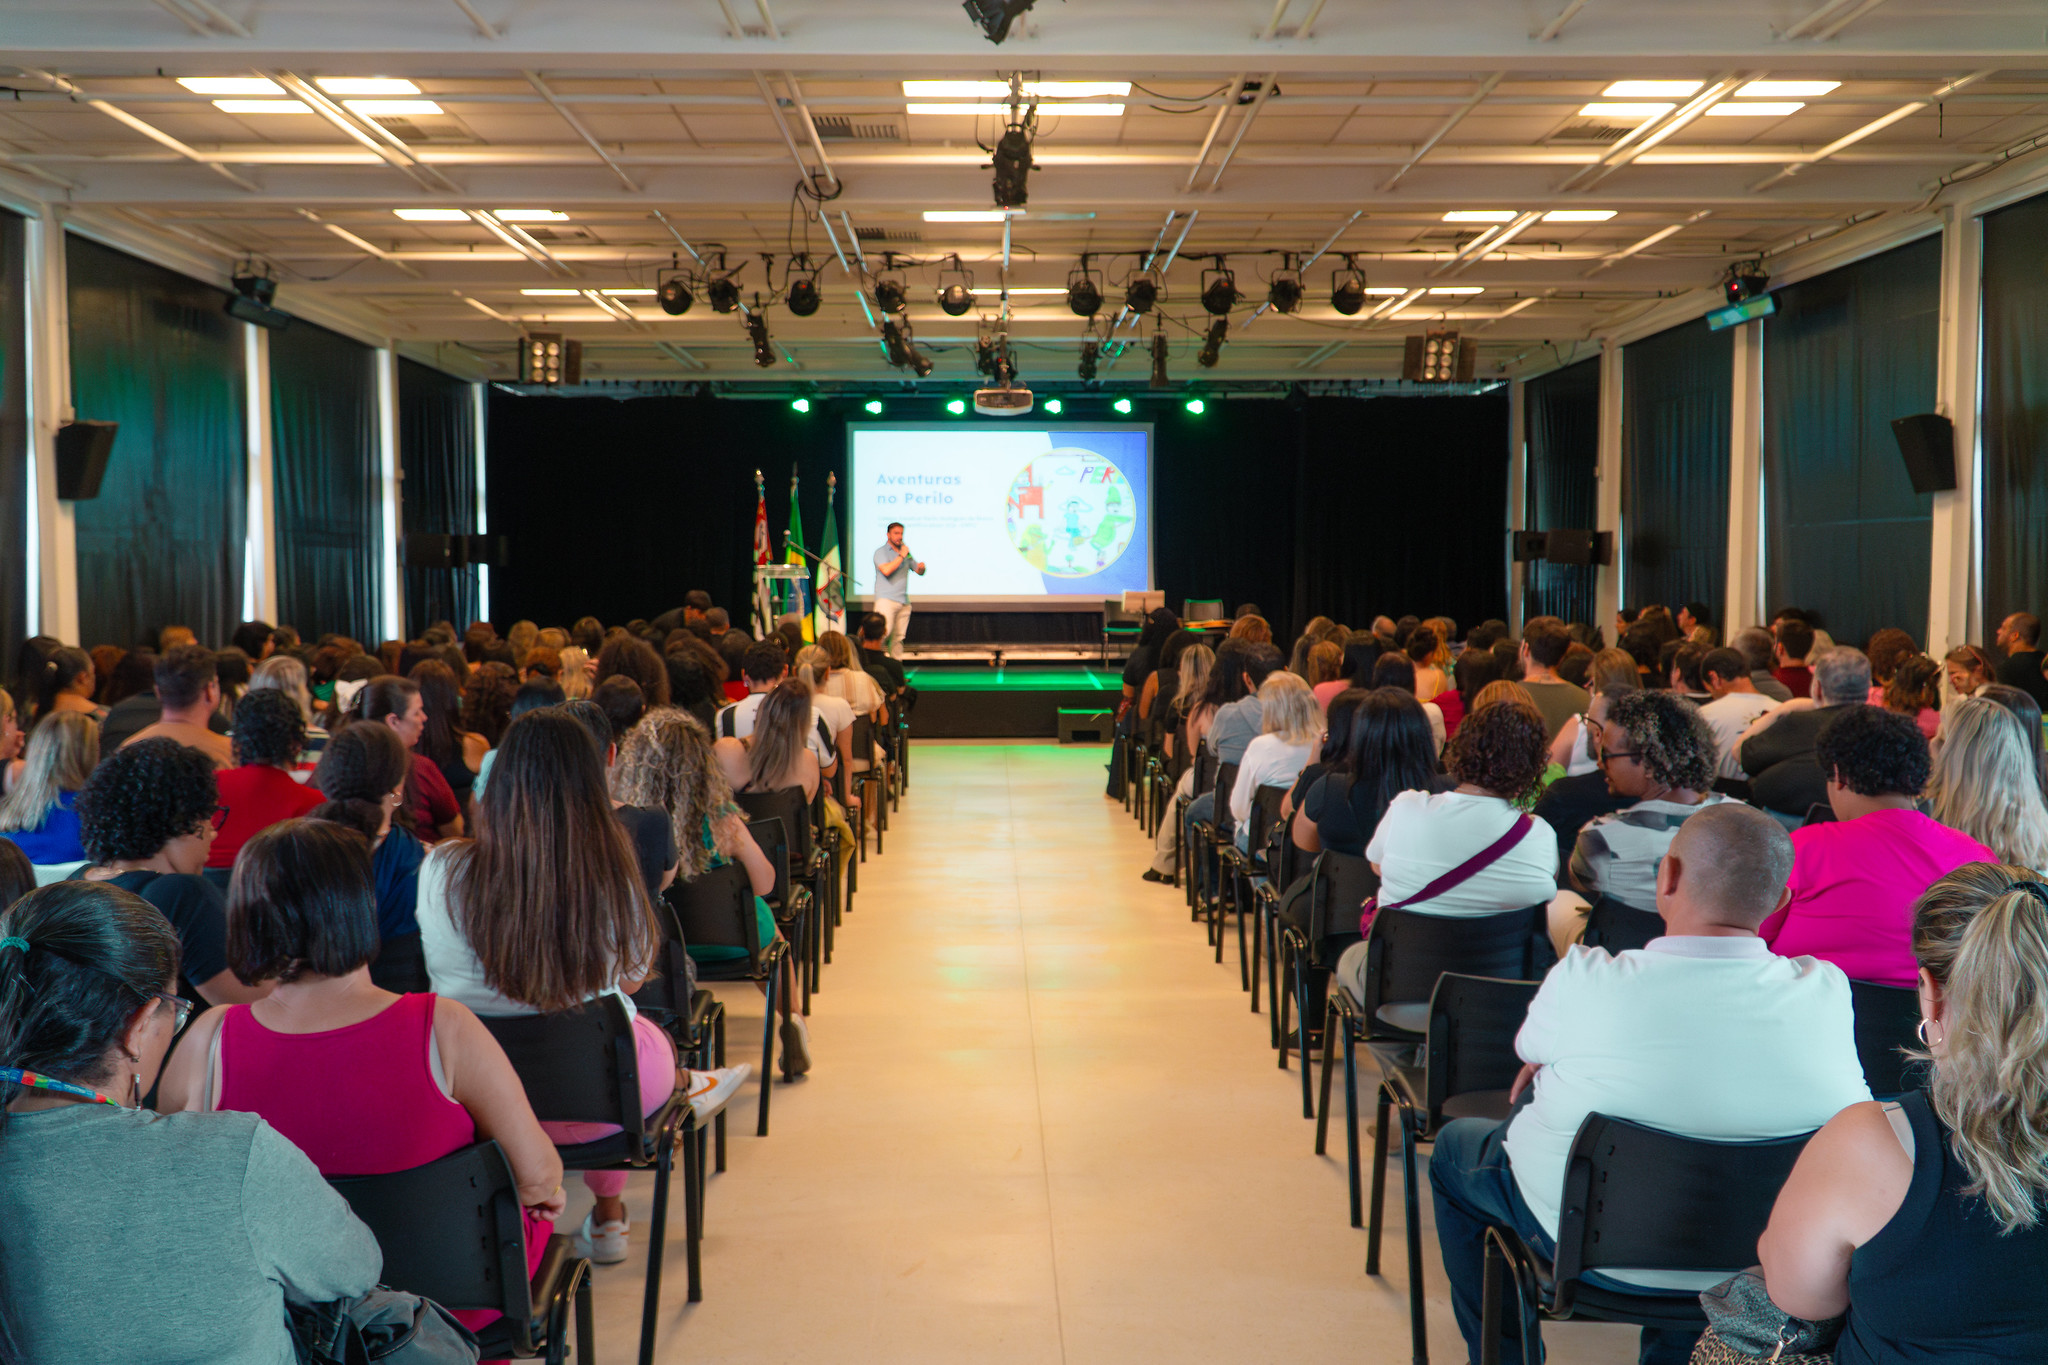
(259, 558)
(483, 516)
(390, 581)
(1743, 600)
(1607, 596)
(1518, 493)
(1955, 591)
(52, 593)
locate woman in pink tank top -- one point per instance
(364, 1082)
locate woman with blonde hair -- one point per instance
(1290, 724)
(1983, 781)
(38, 813)
(1187, 720)
(1922, 1219)
(575, 679)
(848, 681)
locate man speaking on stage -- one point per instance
(893, 567)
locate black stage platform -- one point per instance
(961, 700)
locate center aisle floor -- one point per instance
(1043, 1126)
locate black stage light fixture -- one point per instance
(1013, 167)
(724, 294)
(1284, 293)
(994, 17)
(1744, 281)
(1084, 295)
(902, 350)
(889, 292)
(803, 296)
(757, 331)
(1212, 345)
(1347, 289)
(1159, 379)
(1089, 351)
(1141, 293)
(674, 295)
(550, 358)
(252, 302)
(1219, 289)
(956, 296)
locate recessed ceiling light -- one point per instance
(262, 106)
(1385, 290)
(231, 85)
(1480, 216)
(1458, 289)
(1654, 90)
(1068, 90)
(432, 215)
(1755, 109)
(970, 215)
(392, 108)
(975, 110)
(366, 85)
(533, 216)
(1637, 111)
(553, 293)
(1786, 90)
(1578, 215)
(627, 293)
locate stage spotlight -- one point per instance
(1347, 291)
(890, 294)
(1196, 406)
(1212, 345)
(994, 17)
(675, 296)
(1219, 289)
(757, 329)
(956, 406)
(1284, 292)
(724, 294)
(1090, 350)
(1744, 281)
(1012, 162)
(803, 297)
(1159, 379)
(1084, 296)
(902, 351)
(1122, 405)
(1141, 293)
(874, 407)
(1054, 406)
(800, 404)
(252, 301)
(956, 300)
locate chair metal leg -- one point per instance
(768, 1054)
(1276, 1022)
(1376, 1224)
(586, 1324)
(1490, 1305)
(1258, 944)
(1245, 974)
(664, 1167)
(1322, 1114)
(1301, 1031)
(1418, 1324)
(718, 1053)
(1351, 1120)
(1282, 1005)
(693, 1219)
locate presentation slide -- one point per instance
(1047, 514)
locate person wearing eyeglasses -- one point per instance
(147, 818)
(1657, 753)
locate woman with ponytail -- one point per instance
(67, 683)
(1923, 1220)
(92, 1184)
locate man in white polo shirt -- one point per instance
(1704, 1033)
(763, 666)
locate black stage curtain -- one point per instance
(437, 451)
(1561, 422)
(1845, 353)
(14, 499)
(1339, 507)
(163, 542)
(2015, 420)
(323, 396)
(1676, 396)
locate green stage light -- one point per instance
(1055, 406)
(874, 405)
(1122, 405)
(956, 406)
(1196, 406)
(800, 404)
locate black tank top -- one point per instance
(1938, 1282)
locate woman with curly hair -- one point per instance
(260, 790)
(1498, 759)
(487, 701)
(147, 817)
(625, 656)
(1855, 878)
(1658, 754)
(1915, 690)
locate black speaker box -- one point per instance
(434, 550)
(1528, 545)
(1927, 442)
(82, 450)
(1568, 546)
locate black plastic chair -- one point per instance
(1210, 837)
(1643, 1199)
(1406, 952)
(789, 903)
(717, 910)
(1204, 781)
(1887, 1023)
(861, 777)
(810, 863)
(1618, 926)
(1465, 1070)
(1340, 884)
(694, 1020)
(1246, 871)
(453, 1231)
(582, 1066)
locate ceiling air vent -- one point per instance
(840, 128)
(875, 234)
(1600, 134)
(559, 234)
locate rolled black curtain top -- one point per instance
(1562, 422)
(1677, 390)
(2015, 423)
(437, 451)
(323, 396)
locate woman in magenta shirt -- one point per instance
(1854, 880)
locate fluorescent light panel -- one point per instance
(1460, 289)
(231, 85)
(1069, 90)
(970, 215)
(366, 85)
(433, 215)
(626, 293)
(976, 110)
(531, 215)
(1578, 215)
(1480, 216)
(552, 293)
(262, 106)
(1655, 90)
(392, 108)
(1756, 109)
(1603, 109)
(1390, 291)
(1787, 90)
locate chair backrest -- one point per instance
(1205, 769)
(1338, 895)
(578, 1066)
(773, 838)
(1264, 815)
(1226, 778)
(861, 740)
(1643, 1198)
(1407, 951)
(1202, 609)
(450, 1230)
(1617, 926)
(788, 805)
(666, 991)
(1887, 1022)
(1473, 1021)
(716, 909)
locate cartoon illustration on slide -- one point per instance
(1094, 500)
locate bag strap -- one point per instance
(728, 722)
(1470, 868)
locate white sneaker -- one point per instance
(603, 1243)
(709, 1090)
(796, 1045)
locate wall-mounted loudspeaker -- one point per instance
(82, 450)
(1927, 441)
(1528, 545)
(1572, 546)
(434, 550)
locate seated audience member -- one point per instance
(524, 635)
(1576, 666)
(1576, 748)
(624, 656)
(647, 829)
(575, 678)
(1658, 755)
(487, 704)
(1777, 752)
(1985, 783)
(188, 695)
(846, 680)
(105, 659)
(39, 814)
(17, 873)
(11, 742)
(285, 674)
(232, 669)
(362, 1080)
(1544, 642)
(1162, 685)
(260, 790)
(1289, 724)
(1914, 690)
(1395, 669)
(363, 775)
(1855, 877)
(88, 1009)
(1424, 648)
(691, 686)
(67, 684)
(541, 663)
(763, 667)
(1152, 637)
(1703, 1033)
(1735, 706)
(1680, 662)
(530, 696)
(453, 748)
(1695, 618)
(545, 909)
(1794, 646)
(776, 756)
(1922, 1220)
(1473, 669)
(1887, 649)
(1237, 721)
(1760, 651)
(875, 658)
(1327, 752)
(147, 817)
(431, 809)
(1184, 725)
(1967, 668)
(717, 621)
(1325, 663)
(2029, 716)
(622, 702)
(1388, 749)
(1569, 802)
(173, 637)
(1497, 759)
(1251, 627)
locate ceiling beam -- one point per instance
(1657, 130)
(533, 78)
(1215, 127)
(367, 132)
(1644, 243)
(1486, 87)
(1556, 26)
(368, 247)
(1875, 126)
(483, 26)
(1244, 125)
(148, 130)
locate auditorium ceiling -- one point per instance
(453, 174)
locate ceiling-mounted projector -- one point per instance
(1003, 402)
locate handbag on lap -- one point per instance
(1745, 1327)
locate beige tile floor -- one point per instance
(1043, 1127)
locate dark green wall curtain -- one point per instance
(323, 397)
(1845, 353)
(1676, 392)
(14, 500)
(437, 451)
(1561, 423)
(163, 542)
(2015, 412)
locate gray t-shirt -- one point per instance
(137, 1237)
(1558, 701)
(893, 587)
(1234, 728)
